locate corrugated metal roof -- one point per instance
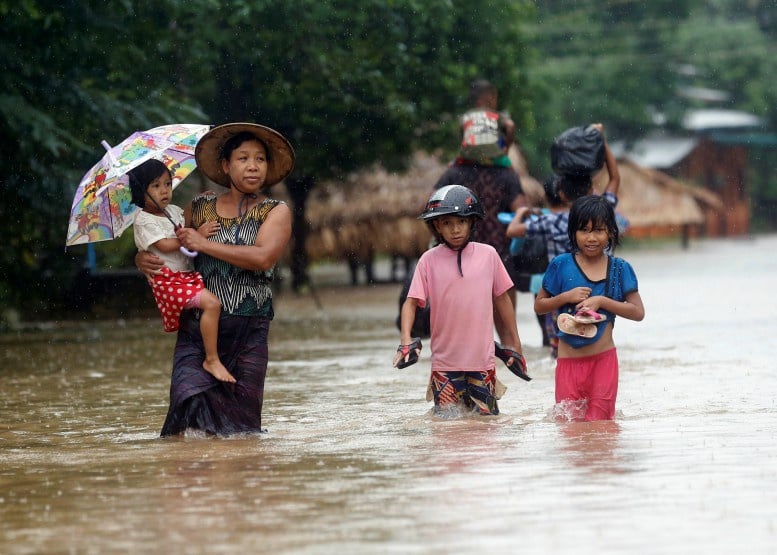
(704, 94)
(708, 119)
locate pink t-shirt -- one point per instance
(462, 313)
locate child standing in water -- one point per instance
(553, 226)
(589, 288)
(178, 287)
(464, 282)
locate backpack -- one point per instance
(578, 151)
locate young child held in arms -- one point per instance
(464, 282)
(589, 288)
(178, 287)
(486, 133)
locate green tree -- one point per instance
(600, 61)
(730, 53)
(626, 63)
(73, 73)
(351, 82)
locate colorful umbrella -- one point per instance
(102, 207)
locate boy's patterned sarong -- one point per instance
(473, 390)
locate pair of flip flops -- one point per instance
(409, 352)
(588, 317)
(518, 367)
(582, 323)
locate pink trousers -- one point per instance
(593, 378)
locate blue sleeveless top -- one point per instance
(564, 274)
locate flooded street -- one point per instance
(353, 463)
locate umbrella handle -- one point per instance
(184, 250)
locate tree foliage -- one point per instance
(350, 82)
(625, 63)
(74, 73)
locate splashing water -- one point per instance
(570, 410)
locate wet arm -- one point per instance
(631, 308)
(208, 229)
(167, 245)
(187, 215)
(148, 263)
(612, 169)
(509, 131)
(518, 202)
(612, 165)
(187, 210)
(545, 303)
(517, 227)
(508, 332)
(407, 317)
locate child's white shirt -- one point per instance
(150, 228)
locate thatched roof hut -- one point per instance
(374, 211)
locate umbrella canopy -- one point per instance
(102, 207)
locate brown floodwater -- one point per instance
(353, 463)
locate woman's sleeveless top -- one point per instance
(241, 292)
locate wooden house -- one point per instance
(707, 157)
(657, 205)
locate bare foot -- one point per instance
(218, 371)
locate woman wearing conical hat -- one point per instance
(240, 236)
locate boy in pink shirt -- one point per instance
(464, 283)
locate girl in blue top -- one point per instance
(589, 287)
